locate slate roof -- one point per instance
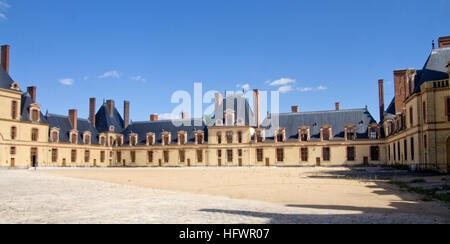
(435, 68)
(5, 80)
(103, 120)
(158, 127)
(241, 107)
(64, 125)
(25, 111)
(336, 119)
(391, 109)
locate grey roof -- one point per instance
(103, 120)
(25, 111)
(5, 80)
(241, 107)
(64, 125)
(336, 119)
(435, 68)
(391, 108)
(158, 127)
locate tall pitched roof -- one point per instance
(336, 119)
(63, 124)
(190, 126)
(239, 104)
(26, 101)
(103, 120)
(5, 79)
(435, 68)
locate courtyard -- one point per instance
(218, 195)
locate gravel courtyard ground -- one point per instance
(206, 195)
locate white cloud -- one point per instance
(3, 16)
(67, 81)
(3, 7)
(282, 82)
(304, 89)
(138, 78)
(112, 73)
(245, 87)
(321, 88)
(168, 116)
(285, 89)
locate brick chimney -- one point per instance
(154, 117)
(73, 118)
(184, 115)
(400, 78)
(126, 114)
(92, 102)
(444, 41)
(32, 91)
(110, 106)
(381, 98)
(5, 58)
(338, 106)
(257, 106)
(294, 109)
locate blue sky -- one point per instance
(318, 52)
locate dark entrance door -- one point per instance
(33, 157)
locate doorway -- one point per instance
(64, 163)
(267, 162)
(33, 157)
(189, 162)
(13, 162)
(240, 162)
(95, 162)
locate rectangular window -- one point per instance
(229, 156)
(239, 152)
(389, 152)
(351, 153)
(411, 117)
(280, 136)
(200, 156)
(405, 147)
(395, 152)
(133, 156)
(166, 156)
(448, 109)
(259, 137)
(219, 153)
(14, 110)
(102, 156)
(424, 112)
(239, 137)
(350, 134)
(326, 134)
(54, 155)
(412, 149)
(219, 138)
(150, 140)
(13, 150)
(35, 115)
(398, 151)
(133, 141)
(34, 134)
(182, 139)
(87, 156)
(229, 137)
(375, 153)
(280, 154)
(54, 136)
(182, 156)
(304, 134)
(260, 155)
(150, 156)
(73, 156)
(425, 144)
(73, 138)
(304, 154)
(119, 157)
(326, 154)
(13, 133)
(166, 139)
(200, 138)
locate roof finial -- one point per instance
(433, 44)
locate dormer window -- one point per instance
(87, 138)
(280, 135)
(111, 141)
(166, 138)
(150, 139)
(102, 140)
(15, 86)
(34, 112)
(374, 131)
(350, 132)
(182, 139)
(199, 137)
(229, 117)
(325, 132)
(259, 135)
(54, 135)
(73, 137)
(119, 141)
(133, 139)
(304, 133)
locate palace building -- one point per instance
(414, 130)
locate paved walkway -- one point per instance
(28, 197)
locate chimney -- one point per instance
(32, 91)
(73, 113)
(92, 111)
(444, 41)
(154, 117)
(257, 106)
(5, 58)
(110, 106)
(218, 106)
(294, 109)
(338, 106)
(126, 114)
(381, 97)
(184, 115)
(400, 86)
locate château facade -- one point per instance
(414, 130)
